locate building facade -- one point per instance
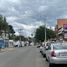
(61, 29)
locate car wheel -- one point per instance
(46, 58)
(44, 55)
(41, 52)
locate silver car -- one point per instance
(43, 51)
(41, 47)
(56, 54)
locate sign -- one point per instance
(65, 26)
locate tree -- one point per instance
(11, 32)
(4, 27)
(40, 34)
(16, 38)
(1, 24)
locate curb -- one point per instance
(6, 49)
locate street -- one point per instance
(22, 57)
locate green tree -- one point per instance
(11, 32)
(4, 27)
(18, 38)
(1, 24)
(40, 34)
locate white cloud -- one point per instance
(64, 17)
(53, 28)
(42, 8)
(16, 33)
(30, 14)
(11, 19)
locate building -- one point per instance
(61, 29)
(4, 38)
(2, 43)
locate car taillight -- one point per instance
(53, 54)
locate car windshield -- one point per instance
(59, 47)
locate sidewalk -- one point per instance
(7, 49)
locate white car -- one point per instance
(41, 47)
(56, 54)
(43, 51)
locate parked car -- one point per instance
(56, 54)
(43, 51)
(41, 47)
(38, 46)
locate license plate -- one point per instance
(63, 54)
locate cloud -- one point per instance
(42, 8)
(29, 14)
(26, 29)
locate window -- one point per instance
(49, 47)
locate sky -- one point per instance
(28, 15)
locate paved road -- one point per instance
(22, 57)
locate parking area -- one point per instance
(55, 54)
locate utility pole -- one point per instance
(20, 36)
(45, 33)
(46, 30)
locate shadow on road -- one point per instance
(60, 65)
